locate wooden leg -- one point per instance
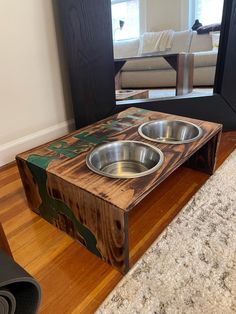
(205, 158)
(100, 222)
(118, 81)
(4, 243)
(99, 226)
(184, 74)
(118, 66)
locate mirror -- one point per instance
(85, 32)
(158, 54)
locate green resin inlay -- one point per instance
(111, 124)
(91, 139)
(50, 206)
(63, 148)
(87, 140)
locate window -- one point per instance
(208, 11)
(125, 19)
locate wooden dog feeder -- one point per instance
(94, 209)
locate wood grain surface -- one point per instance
(68, 156)
(72, 279)
(94, 209)
(86, 35)
(106, 223)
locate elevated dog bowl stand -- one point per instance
(94, 209)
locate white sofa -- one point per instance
(156, 72)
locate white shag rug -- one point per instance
(191, 267)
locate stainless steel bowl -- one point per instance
(124, 159)
(170, 131)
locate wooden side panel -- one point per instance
(107, 223)
(97, 225)
(205, 158)
(30, 186)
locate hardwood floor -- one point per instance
(72, 279)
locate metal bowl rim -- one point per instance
(133, 176)
(200, 132)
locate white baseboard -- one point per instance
(9, 150)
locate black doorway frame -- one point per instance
(86, 31)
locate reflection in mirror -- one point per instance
(165, 48)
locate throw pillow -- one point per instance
(208, 28)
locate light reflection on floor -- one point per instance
(170, 92)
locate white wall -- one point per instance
(31, 87)
(165, 14)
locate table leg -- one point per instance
(118, 66)
(118, 81)
(182, 63)
(184, 74)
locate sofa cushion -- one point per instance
(126, 48)
(209, 28)
(153, 79)
(204, 76)
(181, 41)
(215, 36)
(200, 42)
(148, 79)
(205, 58)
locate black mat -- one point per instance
(19, 292)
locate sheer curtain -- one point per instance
(208, 11)
(127, 12)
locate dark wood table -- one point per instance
(93, 209)
(182, 63)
